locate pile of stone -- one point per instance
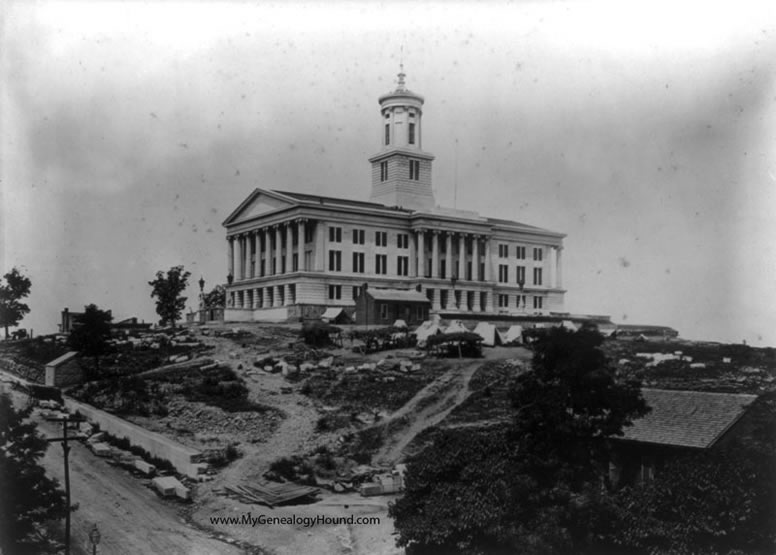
(206, 420)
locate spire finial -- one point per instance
(402, 75)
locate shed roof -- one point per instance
(404, 295)
(63, 359)
(687, 418)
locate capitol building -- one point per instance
(295, 255)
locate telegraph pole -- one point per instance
(66, 449)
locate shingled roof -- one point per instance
(687, 418)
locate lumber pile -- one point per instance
(271, 495)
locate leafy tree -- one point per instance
(167, 290)
(535, 488)
(15, 288)
(29, 497)
(216, 298)
(91, 332)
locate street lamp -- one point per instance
(201, 284)
(94, 537)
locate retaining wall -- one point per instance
(183, 458)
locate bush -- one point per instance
(319, 334)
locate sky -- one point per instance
(645, 131)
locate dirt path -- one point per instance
(130, 517)
(428, 408)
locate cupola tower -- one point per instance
(401, 171)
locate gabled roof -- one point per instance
(337, 201)
(687, 418)
(404, 295)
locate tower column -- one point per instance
(413, 270)
(320, 230)
(242, 256)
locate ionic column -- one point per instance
(413, 260)
(261, 249)
(421, 254)
(242, 256)
(278, 295)
(278, 249)
(437, 302)
(320, 230)
(230, 259)
(247, 253)
(476, 258)
(300, 245)
(255, 253)
(256, 297)
(449, 256)
(558, 268)
(289, 247)
(488, 261)
(434, 254)
(461, 256)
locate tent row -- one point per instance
(490, 335)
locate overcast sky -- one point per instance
(645, 131)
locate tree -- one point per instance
(167, 290)
(29, 496)
(91, 332)
(15, 288)
(535, 488)
(216, 298)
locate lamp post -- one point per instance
(94, 537)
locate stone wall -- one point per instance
(183, 458)
(29, 372)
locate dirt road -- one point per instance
(130, 517)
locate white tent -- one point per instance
(513, 335)
(425, 330)
(488, 333)
(401, 324)
(569, 325)
(455, 327)
(335, 315)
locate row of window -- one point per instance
(503, 252)
(381, 263)
(335, 292)
(503, 274)
(520, 301)
(410, 137)
(414, 170)
(359, 238)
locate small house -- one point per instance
(382, 307)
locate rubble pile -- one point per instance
(200, 419)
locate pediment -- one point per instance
(259, 203)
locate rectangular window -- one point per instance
(520, 301)
(308, 234)
(358, 262)
(537, 302)
(503, 301)
(381, 238)
(383, 171)
(335, 235)
(412, 133)
(503, 273)
(537, 275)
(403, 265)
(335, 261)
(358, 237)
(387, 133)
(520, 272)
(469, 270)
(383, 311)
(295, 263)
(403, 240)
(442, 269)
(335, 292)
(520, 253)
(381, 263)
(503, 251)
(538, 253)
(356, 292)
(415, 170)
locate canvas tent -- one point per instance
(456, 327)
(425, 330)
(490, 336)
(400, 324)
(336, 315)
(569, 325)
(513, 335)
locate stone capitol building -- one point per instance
(296, 255)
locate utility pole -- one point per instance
(66, 448)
